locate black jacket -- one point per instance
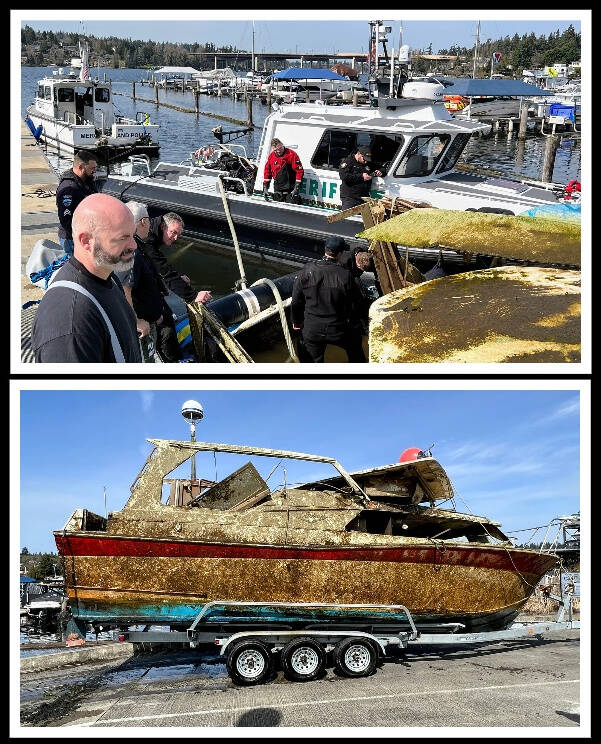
(70, 191)
(325, 296)
(147, 287)
(347, 259)
(353, 184)
(171, 278)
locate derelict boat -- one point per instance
(373, 537)
(414, 140)
(75, 112)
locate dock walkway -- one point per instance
(39, 219)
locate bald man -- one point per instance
(84, 315)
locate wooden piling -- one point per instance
(249, 108)
(523, 121)
(549, 161)
(183, 85)
(156, 94)
(307, 96)
(133, 90)
(196, 107)
(355, 98)
(268, 97)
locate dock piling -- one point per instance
(133, 90)
(523, 121)
(550, 152)
(249, 107)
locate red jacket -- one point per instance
(286, 170)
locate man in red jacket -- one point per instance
(286, 169)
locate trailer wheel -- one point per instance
(356, 657)
(303, 660)
(249, 663)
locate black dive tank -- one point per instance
(239, 306)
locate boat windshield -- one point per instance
(453, 152)
(337, 144)
(422, 155)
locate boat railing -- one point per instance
(133, 160)
(210, 154)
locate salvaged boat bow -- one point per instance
(373, 537)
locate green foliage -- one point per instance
(39, 565)
(128, 52)
(527, 51)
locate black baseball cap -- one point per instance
(365, 151)
(335, 245)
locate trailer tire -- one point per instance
(356, 657)
(303, 660)
(249, 663)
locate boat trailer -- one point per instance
(254, 653)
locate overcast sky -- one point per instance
(513, 456)
(293, 30)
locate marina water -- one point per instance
(182, 133)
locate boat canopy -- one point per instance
(176, 71)
(306, 73)
(417, 481)
(486, 87)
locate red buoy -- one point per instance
(410, 454)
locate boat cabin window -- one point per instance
(47, 92)
(40, 91)
(422, 155)
(453, 152)
(102, 95)
(66, 95)
(337, 144)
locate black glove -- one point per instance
(266, 192)
(295, 190)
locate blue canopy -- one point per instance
(27, 580)
(306, 73)
(485, 87)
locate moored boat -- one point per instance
(414, 140)
(75, 112)
(385, 536)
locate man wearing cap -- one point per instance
(356, 174)
(325, 306)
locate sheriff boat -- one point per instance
(76, 112)
(414, 140)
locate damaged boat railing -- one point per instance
(263, 452)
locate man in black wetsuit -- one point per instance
(74, 185)
(325, 305)
(165, 231)
(84, 315)
(356, 175)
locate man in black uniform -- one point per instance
(89, 319)
(143, 287)
(166, 230)
(356, 174)
(325, 305)
(74, 185)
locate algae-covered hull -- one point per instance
(169, 581)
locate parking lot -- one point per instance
(529, 683)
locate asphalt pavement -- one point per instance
(519, 684)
